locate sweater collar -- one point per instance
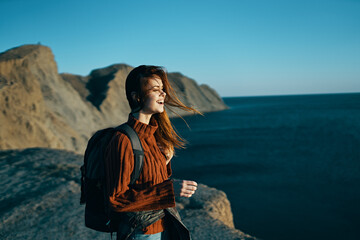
(143, 129)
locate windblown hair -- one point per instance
(136, 82)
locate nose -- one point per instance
(162, 92)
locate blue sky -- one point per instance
(240, 47)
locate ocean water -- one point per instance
(290, 165)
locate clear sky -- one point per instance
(239, 47)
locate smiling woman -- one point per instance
(148, 91)
(145, 83)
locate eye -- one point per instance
(158, 89)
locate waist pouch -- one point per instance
(130, 221)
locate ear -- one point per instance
(134, 97)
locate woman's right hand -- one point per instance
(184, 188)
(169, 153)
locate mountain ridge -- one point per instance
(41, 108)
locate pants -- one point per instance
(138, 235)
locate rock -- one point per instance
(36, 107)
(40, 191)
(208, 215)
(41, 108)
(203, 98)
(107, 92)
(78, 83)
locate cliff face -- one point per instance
(37, 107)
(40, 195)
(41, 108)
(202, 97)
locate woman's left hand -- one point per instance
(184, 188)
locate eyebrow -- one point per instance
(157, 86)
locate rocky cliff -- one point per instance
(39, 199)
(41, 108)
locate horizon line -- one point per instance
(291, 94)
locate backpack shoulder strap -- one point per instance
(137, 149)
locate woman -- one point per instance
(147, 91)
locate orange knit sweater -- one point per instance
(152, 190)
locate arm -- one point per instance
(182, 188)
(119, 164)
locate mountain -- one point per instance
(41, 108)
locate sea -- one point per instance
(290, 165)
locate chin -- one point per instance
(160, 110)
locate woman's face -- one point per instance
(155, 97)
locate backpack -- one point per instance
(93, 181)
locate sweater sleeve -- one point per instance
(119, 164)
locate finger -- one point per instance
(188, 192)
(185, 195)
(188, 182)
(192, 188)
(188, 188)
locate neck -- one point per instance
(142, 117)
